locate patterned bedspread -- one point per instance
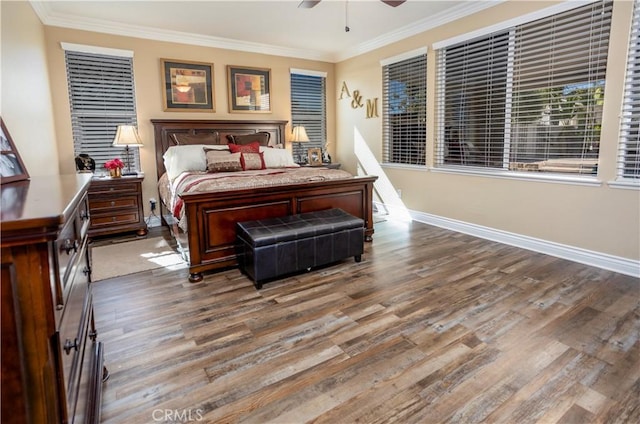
(201, 182)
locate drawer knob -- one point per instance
(68, 345)
(113, 203)
(84, 215)
(70, 245)
(86, 270)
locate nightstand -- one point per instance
(115, 206)
(326, 165)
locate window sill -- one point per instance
(404, 166)
(522, 176)
(625, 183)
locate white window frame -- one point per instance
(631, 105)
(100, 147)
(386, 143)
(315, 123)
(439, 166)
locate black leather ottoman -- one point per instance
(275, 247)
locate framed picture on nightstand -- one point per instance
(315, 156)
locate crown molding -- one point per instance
(49, 18)
(451, 14)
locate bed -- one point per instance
(204, 225)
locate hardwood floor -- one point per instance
(432, 326)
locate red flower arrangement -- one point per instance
(113, 164)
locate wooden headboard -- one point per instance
(210, 132)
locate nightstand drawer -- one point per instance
(119, 218)
(110, 203)
(127, 187)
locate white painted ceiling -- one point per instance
(268, 26)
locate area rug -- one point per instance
(114, 260)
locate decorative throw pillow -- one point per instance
(201, 138)
(179, 159)
(223, 161)
(278, 158)
(261, 137)
(246, 148)
(252, 161)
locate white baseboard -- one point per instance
(572, 253)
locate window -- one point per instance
(102, 96)
(309, 109)
(528, 97)
(404, 102)
(629, 156)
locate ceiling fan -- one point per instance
(308, 4)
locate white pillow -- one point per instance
(277, 158)
(184, 158)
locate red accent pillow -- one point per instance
(250, 161)
(245, 148)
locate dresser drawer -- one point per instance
(73, 331)
(108, 203)
(67, 252)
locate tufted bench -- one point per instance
(274, 247)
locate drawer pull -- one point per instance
(86, 270)
(68, 345)
(93, 335)
(113, 203)
(84, 215)
(70, 245)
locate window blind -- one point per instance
(309, 109)
(102, 96)
(404, 128)
(527, 98)
(629, 153)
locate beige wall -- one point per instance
(25, 93)
(596, 218)
(148, 86)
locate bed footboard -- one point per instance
(212, 221)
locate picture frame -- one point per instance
(314, 156)
(187, 86)
(249, 89)
(11, 166)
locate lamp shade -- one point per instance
(127, 135)
(299, 135)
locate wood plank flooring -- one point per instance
(431, 327)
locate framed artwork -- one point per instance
(11, 166)
(315, 156)
(187, 86)
(249, 89)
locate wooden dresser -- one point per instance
(52, 363)
(116, 206)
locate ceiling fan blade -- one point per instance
(393, 3)
(308, 4)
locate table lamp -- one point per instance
(298, 136)
(127, 135)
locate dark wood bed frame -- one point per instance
(210, 242)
